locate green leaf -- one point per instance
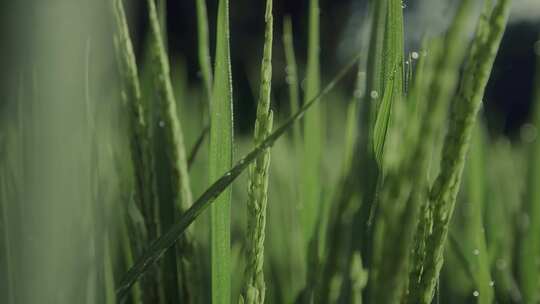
(221, 145)
(392, 76)
(310, 199)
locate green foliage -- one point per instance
(360, 203)
(158, 247)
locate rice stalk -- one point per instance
(440, 89)
(139, 141)
(255, 288)
(221, 145)
(175, 151)
(158, 247)
(463, 115)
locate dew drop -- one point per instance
(161, 124)
(475, 293)
(415, 55)
(491, 283)
(476, 251)
(374, 94)
(403, 5)
(358, 94)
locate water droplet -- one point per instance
(161, 124)
(476, 251)
(491, 283)
(403, 5)
(358, 93)
(374, 94)
(476, 293)
(528, 133)
(415, 55)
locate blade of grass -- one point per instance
(464, 109)
(313, 132)
(162, 244)
(530, 244)
(392, 75)
(255, 288)
(365, 160)
(221, 141)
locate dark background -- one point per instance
(508, 97)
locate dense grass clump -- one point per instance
(389, 190)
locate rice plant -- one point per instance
(372, 177)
